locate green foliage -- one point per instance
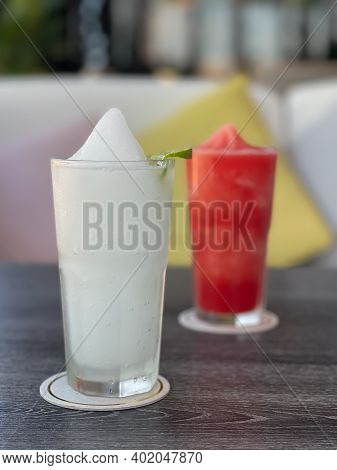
(43, 23)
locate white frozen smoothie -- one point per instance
(112, 260)
(111, 140)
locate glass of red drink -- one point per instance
(230, 185)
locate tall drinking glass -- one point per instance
(112, 224)
(230, 195)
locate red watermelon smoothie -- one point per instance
(230, 186)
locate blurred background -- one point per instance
(185, 37)
(152, 58)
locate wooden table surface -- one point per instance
(277, 392)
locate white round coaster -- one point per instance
(57, 391)
(191, 320)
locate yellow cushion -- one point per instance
(298, 230)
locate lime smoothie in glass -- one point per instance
(230, 193)
(112, 267)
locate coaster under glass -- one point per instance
(56, 390)
(245, 323)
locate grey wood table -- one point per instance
(279, 391)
